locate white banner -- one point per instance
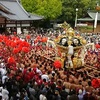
(96, 19)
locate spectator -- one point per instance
(43, 95)
(73, 96)
(81, 94)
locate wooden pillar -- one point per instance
(93, 26)
(16, 26)
(30, 24)
(5, 23)
(21, 26)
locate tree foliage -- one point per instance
(50, 9)
(69, 8)
(64, 10)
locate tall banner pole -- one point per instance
(96, 19)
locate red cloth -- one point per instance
(25, 71)
(27, 78)
(39, 82)
(31, 74)
(18, 78)
(36, 76)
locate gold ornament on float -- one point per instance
(70, 41)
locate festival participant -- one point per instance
(75, 79)
(43, 95)
(45, 76)
(81, 94)
(63, 93)
(73, 95)
(5, 94)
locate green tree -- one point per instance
(69, 9)
(50, 9)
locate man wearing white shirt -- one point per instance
(3, 71)
(5, 94)
(4, 78)
(42, 96)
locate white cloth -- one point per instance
(32, 91)
(44, 76)
(0, 94)
(42, 97)
(5, 94)
(38, 71)
(1, 89)
(3, 71)
(2, 65)
(70, 63)
(70, 50)
(3, 79)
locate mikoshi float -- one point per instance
(71, 47)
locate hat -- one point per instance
(80, 91)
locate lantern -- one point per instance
(11, 60)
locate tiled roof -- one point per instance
(85, 19)
(17, 12)
(93, 14)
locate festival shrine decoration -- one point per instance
(97, 46)
(44, 39)
(12, 47)
(72, 46)
(95, 83)
(57, 64)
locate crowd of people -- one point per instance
(34, 77)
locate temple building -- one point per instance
(13, 15)
(90, 23)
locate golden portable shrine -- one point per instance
(71, 47)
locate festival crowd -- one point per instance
(33, 76)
